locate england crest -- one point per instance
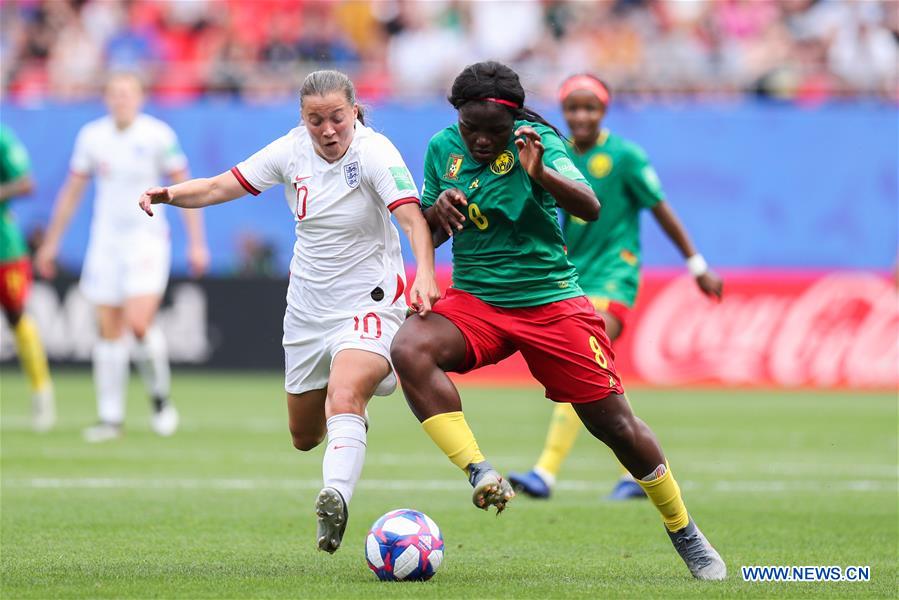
(351, 174)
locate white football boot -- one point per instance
(490, 489)
(165, 419)
(702, 559)
(102, 432)
(332, 513)
(43, 410)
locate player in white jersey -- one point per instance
(345, 299)
(128, 257)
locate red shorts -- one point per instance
(619, 310)
(15, 281)
(563, 343)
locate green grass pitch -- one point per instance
(224, 508)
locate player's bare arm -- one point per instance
(66, 202)
(195, 193)
(709, 282)
(574, 197)
(23, 186)
(197, 250)
(424, 291)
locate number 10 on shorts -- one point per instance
(369, 326)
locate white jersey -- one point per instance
(126, 163)
(347, 253)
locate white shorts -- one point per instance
(312, 341)
(118, 267)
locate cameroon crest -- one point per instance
(503, 163)
(600, 165)
(453, 166)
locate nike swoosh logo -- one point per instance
(339, 447)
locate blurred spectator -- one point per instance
(75, 62)
(504, 31)
(256, 256)
(808, 50)
(864, 52)
(423, 55)
(321, 40)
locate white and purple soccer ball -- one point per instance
(404, 545)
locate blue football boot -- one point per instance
(531, 484)
(627, 489)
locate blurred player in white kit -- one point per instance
(127, 264)
(342, 181)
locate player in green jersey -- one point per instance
(492, 182)
(607, 252)
(15, 280)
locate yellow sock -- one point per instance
(563, 431)
(454, 436)
(31, 354)
(665, 494)
(624, 473)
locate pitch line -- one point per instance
(139, 483)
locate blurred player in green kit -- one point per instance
(606, 252)
(15, 279)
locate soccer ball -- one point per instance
(404, 545)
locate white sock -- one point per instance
(110, 379)
(152, 359)
(547, 477)
(345, 454)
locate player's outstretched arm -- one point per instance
(66, 202)
(707, 280)
(195, 193)
(424, 291)
(21, 186)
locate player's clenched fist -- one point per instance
(449, 217)
(154, 195)
(424, 293)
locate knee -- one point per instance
(305, 441)
(112, 330)
(407, 351)
(139, 330)
(620, 430)
(343, 400)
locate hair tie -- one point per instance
(508, 103)
(586, 83)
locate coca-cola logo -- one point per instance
(840, 329)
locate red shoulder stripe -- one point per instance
(397, 203)
(243, 181)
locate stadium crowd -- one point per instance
(807, 50)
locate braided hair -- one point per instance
(492, 81)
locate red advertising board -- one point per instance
(773, 329)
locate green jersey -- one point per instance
(13, 165)
(510, 251)
(606, 252)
